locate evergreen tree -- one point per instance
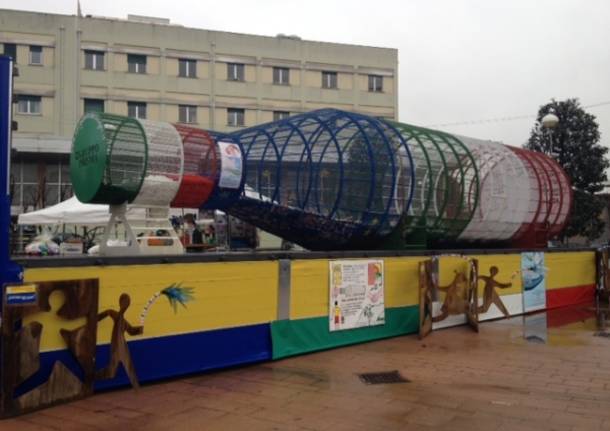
(574, 144)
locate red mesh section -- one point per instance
(554, 191)
(560, 196)
(536, 205)
(200, 167)
(534, 233)
(565, 198)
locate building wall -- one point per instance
(63, 83)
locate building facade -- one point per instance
(150, 68)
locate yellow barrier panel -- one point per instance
(225, 294)
(230, 294)
(309, 281)
(569, 269)
(509, 267)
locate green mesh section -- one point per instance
(463, 186)
(446, 188)
(108, 159)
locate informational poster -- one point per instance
(356, 294)
(231, 165)
(533, 277)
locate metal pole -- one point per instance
(9, 271)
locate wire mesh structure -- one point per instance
(201, 166)
(108, 158)
(324, 179)
(164, 165)
(445, 187)
(463, 190)
(329, 179)
(504, 197)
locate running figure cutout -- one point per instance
(490, 296)
(454, 303)
(119, 352)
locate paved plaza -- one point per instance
(549, 371)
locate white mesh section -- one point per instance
(505, 194)
(164, 167)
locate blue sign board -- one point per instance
(21, 295)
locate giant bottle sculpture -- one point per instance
(330, 180)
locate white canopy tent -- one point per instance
(73, 211)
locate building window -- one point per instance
(280, 115)
(94, 105)
(376, 83)
(187, 114)
(281, 75)
(136, 63)
(39, 184)
(187, 68)
(10, 49)
(35, 54)
(329, 79)
(28, 104)
(235, 71)
(235, 117)
(94, 60)
(136, 110)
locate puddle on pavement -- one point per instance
(566, 326)
(306, 376)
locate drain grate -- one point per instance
(383, 377)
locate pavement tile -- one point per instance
(460, 381)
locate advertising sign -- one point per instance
(231, 165)
(533, 274)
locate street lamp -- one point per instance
(549, 122)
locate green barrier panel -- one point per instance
(293, 337)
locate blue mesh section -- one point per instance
(325, 179)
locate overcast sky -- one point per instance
(459, 60)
